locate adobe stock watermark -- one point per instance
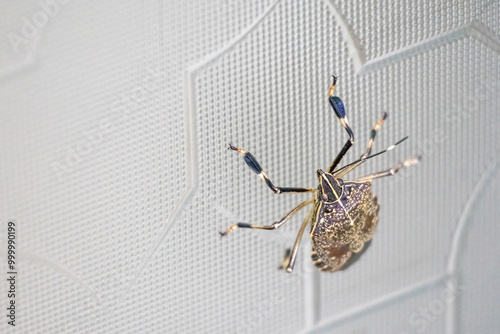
(121, 110)
(455, 117)
(424, 316)
(32, 26)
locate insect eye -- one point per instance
(324, 198)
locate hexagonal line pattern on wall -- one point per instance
(459, 239)
(378, 304)
(473, 29)
(192, 175)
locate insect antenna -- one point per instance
(347, 168)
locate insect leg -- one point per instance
(273, 226)
(373, 133)
(295, 249)
(286, 259)
(341, 172)
(339, 109)
(255, 166)
(389, 172)
(362, 159)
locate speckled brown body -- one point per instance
(339, 230)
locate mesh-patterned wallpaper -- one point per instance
(114, 126)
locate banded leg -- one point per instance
(273, 226)
(373, 134)
(295, 249)
(339, 109)
(389, 172)
(255, 166)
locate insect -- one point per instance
(344, 214)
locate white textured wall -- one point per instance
(114, 125)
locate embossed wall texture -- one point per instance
(114, 126)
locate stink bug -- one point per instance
(344, 215)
